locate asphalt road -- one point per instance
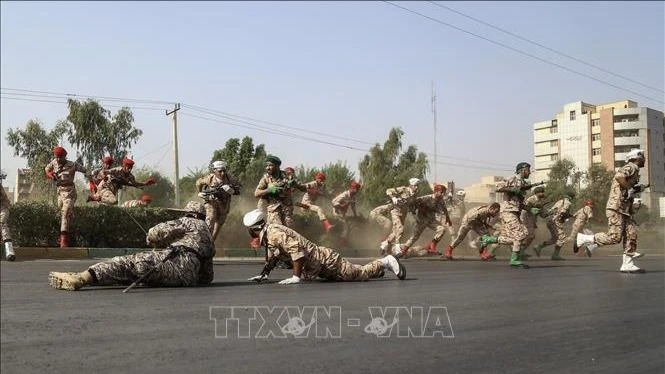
(577, 316)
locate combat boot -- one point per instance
(448, 253)
(486, 240)
(431, 250)
(515, 260)
(9, 251)
(628, 266)
(69, 281)
(555, 255)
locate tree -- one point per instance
(562, 177)
(338, 176)
(162, 192)
(598, 181)
(245, 162)
(384, 167)
(91, 128)
(35, 144)
(188, 183)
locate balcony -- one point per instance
(628, 140)
(631, 125)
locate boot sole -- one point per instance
(11, 258)
(641, 271)
(402, 272)
(522, 266)
(62, 284)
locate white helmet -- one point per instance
(414, 181)
(218, 165)
(254, 219)
(633, 154)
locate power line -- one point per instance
(525, 53)
(547, 48)
(4, 96)
(108, 98)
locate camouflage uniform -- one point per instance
(115, 179)
(620, 223)
(318, 261)
(278, 206)
(477, 219)
(217, 208)
(380, 215)
(4, 215)
(341, 204)
(313, 191)
(133, 203)
(513, 231)
(191, 266)
(432, 213)
(582, 216)
(556, 216)
(398, 212)
(529, 219)
(98, 175)
(66, 189)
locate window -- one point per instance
(626, 133)
(554, 122)
(595, 122)
(554, 129)
(572, 115)
(554, 157)
(554, 143)
(595, 137)
(595, 151)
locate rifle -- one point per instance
(629, 194)
(526, 187)
(218, 192)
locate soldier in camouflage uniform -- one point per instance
(582, 216)
(557, 215)
(271, 194)
(619, 211)
(97, 174)
(533, 208)
(477, 219)
(114, 180)
(341, 204)
(313, 190)
(4, 222)
(513, 231)
(186, 261)
(430, 212)
(62, 172)
(145, 200)
(310, 261)
(402, 199)
(292, 183)
(218, 204)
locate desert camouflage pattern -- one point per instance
(216, 209)
(133, 204)
(631, 172)
(513, 232)
(191, 266)
(380, 215)
(278, 206)
(620, 227)
(342, 202)
(478, 220)
(557, 216)
(115, 179)
(513, 202)
(312, 191)
(318, 261)
(529, 219)
(431, 213)
(66, 190)
(582, 216)
(4, 215)
(97, 174)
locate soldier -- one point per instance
(582, 216)
(4, 222)
(341, 204)
(114, 180)
(97, 174)
(513, 232)
(477, 219)
(430, 212)
(309, 259)
(314, 189)
(186, 261)
(402, 199)
(62, 172)
(292, 183)
(270, 193)
(533, 209)
(218, 203)
(380, 215)
(145, 200)
(619, 211)
(557, 215)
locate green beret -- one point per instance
(539, 189)
(521, 166)
(273, 160)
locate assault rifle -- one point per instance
(526, 187)
(629, 194)
(219, 192)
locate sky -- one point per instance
(342, 73)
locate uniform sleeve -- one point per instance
(263, 184)
(281, 241)
(337, 201)
(392, 192)
(201, 182)
(49, 167)
(164, 233)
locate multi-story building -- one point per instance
(591, 134)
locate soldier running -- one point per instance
(219, 186)
(430, 212)
(402, 199)
(341, 204)
(477, 220)
(186, 261)
(533, 208)
(556, 217)
(313, 190)
(145, 200)
(582, 216)
(62, 172)
(114, 179)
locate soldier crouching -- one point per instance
(186, 261)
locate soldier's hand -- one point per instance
(201, 195)
(293, 280)
(51, 175)
(227, 188)
(535, 211)
(258, 278)
(638, 188)
(273, 189)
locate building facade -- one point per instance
(591, 134)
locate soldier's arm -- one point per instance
(201, 183)
(622, 176)
(261, 188)
(164, 233)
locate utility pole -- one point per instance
(434, 120)
(176, 183)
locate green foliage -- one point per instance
(37, 224)
(187, 183)
(162, 192)
(384, 168)
(599, 181)
(93, 130)
(563, 178)
(244, 162)
(338, 176)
